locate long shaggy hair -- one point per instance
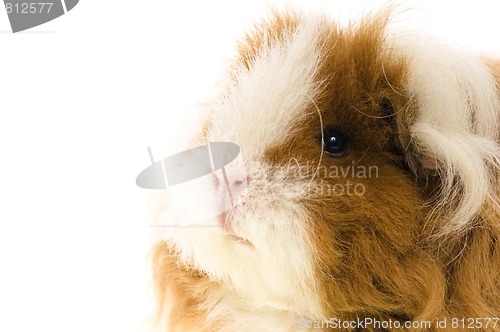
(417, 239)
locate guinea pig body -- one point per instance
(372, 172)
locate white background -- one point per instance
(81, 98)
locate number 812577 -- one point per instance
(29, 7)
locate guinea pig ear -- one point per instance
(452, 129)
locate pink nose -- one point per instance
(233, 183)
(239, 188)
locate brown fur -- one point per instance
(369, 258)
(183, 290)
(373, 253)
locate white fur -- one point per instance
(269, 100)
(268, 283)
(457, 122)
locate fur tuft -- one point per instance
(455, 126)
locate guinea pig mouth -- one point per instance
(224, 220)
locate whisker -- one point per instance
(322, 142)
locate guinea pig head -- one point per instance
(361, 149)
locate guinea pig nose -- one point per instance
(239, 188)
(238, 183)
(231, 185)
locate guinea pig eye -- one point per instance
(336, 143)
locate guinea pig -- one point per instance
(371, 171)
